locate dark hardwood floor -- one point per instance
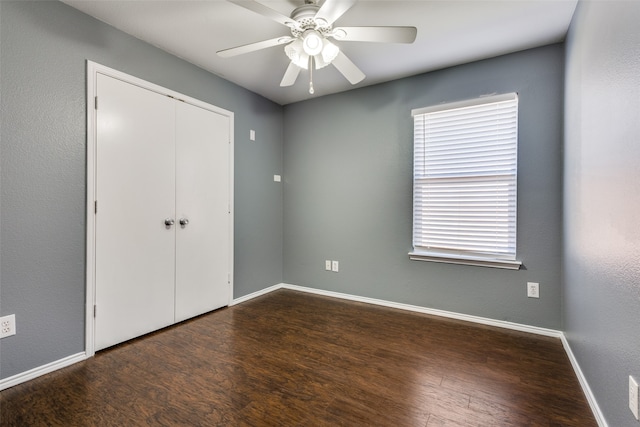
(294, 359)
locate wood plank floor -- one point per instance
(294, 359)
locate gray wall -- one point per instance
(348, 191)
(43, 51)
(602, 200)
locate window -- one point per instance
(465, 182)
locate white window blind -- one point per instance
(465, 180)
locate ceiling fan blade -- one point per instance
(348, 69)
(376, 34)
(263, 10)
(290, 75)
(252, 47)
(331, 10)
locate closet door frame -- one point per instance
(93, 70)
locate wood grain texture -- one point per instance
(294, 359)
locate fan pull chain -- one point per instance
(311, 90)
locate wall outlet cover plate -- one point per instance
(7, 325)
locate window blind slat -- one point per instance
(465, 179)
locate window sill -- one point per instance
(452, 259)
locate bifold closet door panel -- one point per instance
(135, 192)
(202, 211)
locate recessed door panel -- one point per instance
(135, 191)
(202, 203)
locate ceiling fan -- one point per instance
(309, 46)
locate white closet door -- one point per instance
(202, 198)
(135, 191)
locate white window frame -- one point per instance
(445, 241)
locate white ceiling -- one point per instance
(450, 32)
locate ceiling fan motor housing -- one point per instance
(305, 18)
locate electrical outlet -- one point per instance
(334, 266)
(7, 325)
(327, 265)
(533, 290)
(633, 396)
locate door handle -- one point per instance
(184, 222)
(169, 222)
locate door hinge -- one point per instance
(95, 310)
(95, 206)
(95, 102)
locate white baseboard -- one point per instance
(418, 309)
(41, 370)
(584, 384)
(459, 316)
(255, 294)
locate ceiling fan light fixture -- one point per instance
(329, 51)
(296, 54)
(320, 62)
(312, 42)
